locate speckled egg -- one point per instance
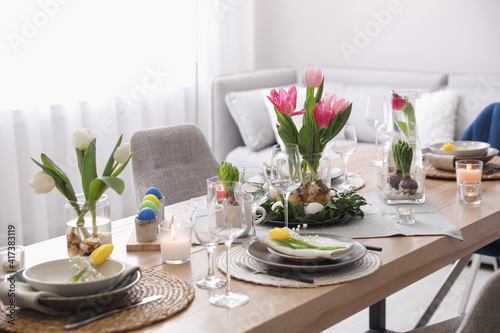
(146, 214)
(150, 204)
(154, 191)
(313, 208)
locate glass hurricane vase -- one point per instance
(88, 225)
(316, 180)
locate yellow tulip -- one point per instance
(279, 233)
(101, 253)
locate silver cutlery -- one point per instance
(80, 322)
(277, 273)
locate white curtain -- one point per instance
(113, 67)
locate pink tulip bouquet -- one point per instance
(324, 117)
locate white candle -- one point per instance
(468, 174)
(175, 245)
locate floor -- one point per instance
(405, 307)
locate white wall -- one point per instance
(442, 36)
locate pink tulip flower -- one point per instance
(398, 102)
(337, 103)
(323, 114)
(313, 77)
(284, 101)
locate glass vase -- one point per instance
(88, 225)
(405, 125)
(316, 180)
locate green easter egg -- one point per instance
(150, 204)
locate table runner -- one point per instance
(367, 265)
(379, 221)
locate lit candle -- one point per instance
(468, 173)
(470, 196)
(405, 215)
(220, 193)
(175, 244)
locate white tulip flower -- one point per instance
(81, 138)
(42, 182)
(122, 153)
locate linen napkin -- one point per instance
(443, 162)
(266, 239)
(27, 297)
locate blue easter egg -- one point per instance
(154, 191)
(146, 214)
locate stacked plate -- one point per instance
(469, 150)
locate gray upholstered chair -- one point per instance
(175, 159)
(484, 316)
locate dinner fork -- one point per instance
(273, 272)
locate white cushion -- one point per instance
(436, 116)
(250, 115)
(475, 93)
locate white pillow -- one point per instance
(436, 117)
(297, 120)
(250, 115)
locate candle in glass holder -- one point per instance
(468, 170)
(175, 241)
(470, 192)
(405, 215)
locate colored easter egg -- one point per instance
(154, 191)
(150, 204)
(152, 198)
(146, 214)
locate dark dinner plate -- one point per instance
(259, 252)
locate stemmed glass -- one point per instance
(229, 223)
(254, 183)
(376, 116)
(345, 144)
(201, 217)
(285, 173)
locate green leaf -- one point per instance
(60, 183)
(402, 125)
(287, 125)
(336, 125)
(99, 185)
(319, 93)
(67, 189)
(80, 154)
(89, 169)
(305, 139)
(111, 160)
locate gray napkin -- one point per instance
(27, 297)
(443, 162)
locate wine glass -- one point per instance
(201, 216)
(376, 116)
(285, 173)
(254, 183)
(229, 223)
(345, 144)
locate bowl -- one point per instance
(462, 148)
(54, 276)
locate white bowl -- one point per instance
(54, 276)
(462, 148)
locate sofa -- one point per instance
(243, 123)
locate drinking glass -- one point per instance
(201, 216)
(285, 173)
(229, 223)
(254, 183)
(345, 144)
(376, 116)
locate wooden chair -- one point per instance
(175, 159)
(483, 316)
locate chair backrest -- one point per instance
(486, 127)
(175, 159)
(484, 316)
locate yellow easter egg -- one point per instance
(101, 253)
(279, 233)
(152, 198)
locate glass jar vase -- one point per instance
(88, 225)
(316, 180)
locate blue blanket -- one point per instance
(486, 127)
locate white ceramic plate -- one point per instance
(54, 276)
(336, 172)
(462, 148)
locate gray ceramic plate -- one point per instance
(259, 252)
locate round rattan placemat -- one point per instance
(361, 268)
(491, 170)
(178, 296)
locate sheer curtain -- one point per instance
(113, 67)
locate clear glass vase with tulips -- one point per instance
(324, 116)
(88, 207)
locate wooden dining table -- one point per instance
(405, 260)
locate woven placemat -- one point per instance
(353, 180)
(361, 268)
(491, 170)
(178, 296)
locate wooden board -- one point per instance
(134, 245)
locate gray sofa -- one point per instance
(242, 119)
